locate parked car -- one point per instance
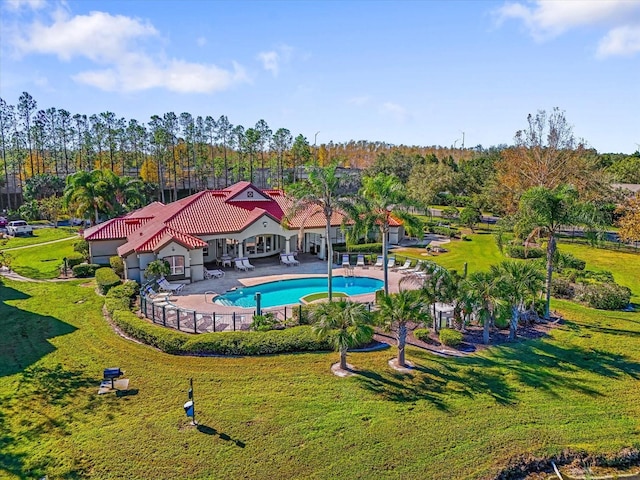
(19, 227)
(3, 222)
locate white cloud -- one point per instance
(545, 19)
(115, 44)
(274, 59)
(394, 110)
(15, 5)
(270, 61)
(620, 41)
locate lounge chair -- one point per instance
(170, 287)
(213, 274)
(284, 260)
(292, 260)
(239, 265)
(391, 263)
(345, 261)
(245, 262)
(417, 268)
(405, 266)
(360, 261)
(379, 261)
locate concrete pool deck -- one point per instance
(198, 296)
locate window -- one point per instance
(205, 252)
(176, 264)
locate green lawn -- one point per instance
(41, 235)
(41, 262)
(480, 253)
(287, 416)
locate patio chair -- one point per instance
(405, 266)
(360, 261)
(292, 260)
(239, 265)
(379, 261)
(245, 262)
(164, 284)
(284, 260)
(417, 268)
(345, 260)
(213, 274)
(391, 263)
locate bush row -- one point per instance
(74, 259)
(106, 278)
(605, 296)
(518, 251)
(360, 248)
(85, 270)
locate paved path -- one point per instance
(39, 244)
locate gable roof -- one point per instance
(210, 212)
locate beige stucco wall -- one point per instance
(173, 248)
(101, 250)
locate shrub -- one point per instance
(82, 247)
(518, 251)
(296, 339)
(450, 337)
(604, 296)
(264, 323)
(167, 340)
(106, 278)
(360, 248)
(118, 265)
(422, 334)
(85, 270)
(75, 259)
(450, 212)
(566, 260)
(446, 231)
(379, 294)
(562, 288)
(301, 314)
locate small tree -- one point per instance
(630, 221)
(157, 269)
(470, 216)
(51, 208)
(344, 324)
(396, 311)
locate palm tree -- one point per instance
(396, 311)
(434, 288)
(382, 198)
(89, 193)
(480, 289)
(128, 192)
(344, 324)
(516, 280)
(544, 211)
(323, 192)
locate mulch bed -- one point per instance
(472, 338)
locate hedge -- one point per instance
(450, 337)
(106, 278)
(422, 334)
(118, 265)
(85, 270)
(360, 248)
(566, 260)
(75, 259)
(518, 251)
(604, 296)
(165, 339)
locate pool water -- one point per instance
(286, 292)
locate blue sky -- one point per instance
(413, 72)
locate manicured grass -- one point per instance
(43, 261)
(312, 297)
(41, 235)
(480, 253)
(287, 416)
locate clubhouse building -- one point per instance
(213, 226)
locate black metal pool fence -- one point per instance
(162, 312)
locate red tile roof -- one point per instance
(205, 213)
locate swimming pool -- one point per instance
(285, 292)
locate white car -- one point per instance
(19, 227)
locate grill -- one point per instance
(112, 374)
